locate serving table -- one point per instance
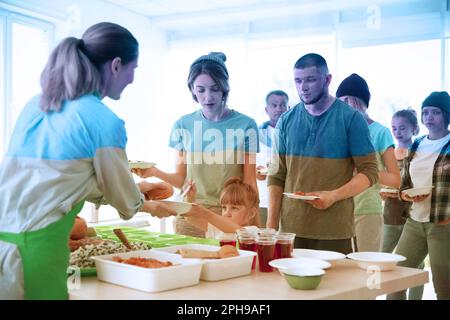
(342, 281)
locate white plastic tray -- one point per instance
(185, 273)
(219, 269)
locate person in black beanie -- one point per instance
(368, 205)
(427, 230)
(207, 155)
(441, 100)
(355, 86)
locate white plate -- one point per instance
(325, 255)
(219, 269)
(179, 206)
(300, 197)
(388, 190)
(413, 192)
(286, 263)
(140, 164)
(376, 261)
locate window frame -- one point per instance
(7, 19)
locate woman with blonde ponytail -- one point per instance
(68, 75)
(67, 147)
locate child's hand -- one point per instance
(197, 211)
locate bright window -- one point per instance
(270, 67)
(2, 86)
(25, 45)
(26, 67)
(399, 75)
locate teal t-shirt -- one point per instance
(214, 150)
(369, 201)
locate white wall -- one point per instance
(140, 104)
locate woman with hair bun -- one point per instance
(67, 147)
(213, 143)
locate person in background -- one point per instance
(239, 202)
(276, 104)
(404, 127)
(319, 144)
(427, 230)
(67, 147)
(213, 143)
(354, 91)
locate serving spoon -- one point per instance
(123, 238)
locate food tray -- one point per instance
(185, 273)
(154, 239)
(219, 269)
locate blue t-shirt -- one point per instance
(214, 150)
(369, 201)
(76, 132)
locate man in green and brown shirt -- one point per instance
(322, 147)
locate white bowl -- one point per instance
(288, 263)
(414, 192)
(303, 278)
(179, 206)
(304, 271)
(330, 256)
(376, 261)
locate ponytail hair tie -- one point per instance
(80, 44)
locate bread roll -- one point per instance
(75, 244)
(79, 229)
(161, 190)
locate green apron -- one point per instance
(45, 257)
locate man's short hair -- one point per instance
(276, 93)
(312, 60)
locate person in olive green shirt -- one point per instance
(354, 91)
(318, 145)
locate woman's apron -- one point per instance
(45, 257)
